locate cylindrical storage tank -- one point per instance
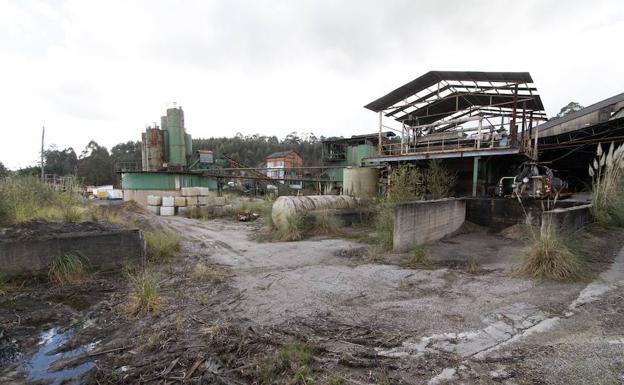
(177, 139)
(289, 206)
(360, 182)
(153, 146)
(188, 141)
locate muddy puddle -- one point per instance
(37, 366)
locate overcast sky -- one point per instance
(102, 70)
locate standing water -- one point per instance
(37, 366)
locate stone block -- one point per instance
(190, 191)
(168, 201)
(154, 200)
(167, 211)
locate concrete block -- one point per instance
(565, 220)
(179, 201)
(167, 211)
(190, 191)
(219, 201)
(168, 201)
(204, 191)
(203, 201)
(154, 209)
(191, 201)
(183, 210)
(154, 200)
(103, 249)
(425, 221)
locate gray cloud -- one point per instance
(102, 70)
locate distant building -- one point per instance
(284, 165)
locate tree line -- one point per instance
(96, 165)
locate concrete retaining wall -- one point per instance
(566, 220)
(425, 221)
(499, 213)
(104, 250)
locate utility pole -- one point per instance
(42, 165)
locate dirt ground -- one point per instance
(361, 322)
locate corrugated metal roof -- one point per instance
(583, 111)
(434, 77)
(281, 154)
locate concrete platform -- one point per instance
(104, 249)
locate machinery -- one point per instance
(535, 181)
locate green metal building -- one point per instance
(349, 152)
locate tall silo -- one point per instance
(176, 137)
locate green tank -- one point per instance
(176, 137)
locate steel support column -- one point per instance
(475, 175)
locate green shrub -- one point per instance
(406, 186)
(68, 269)
(439, 182)
(162, 246)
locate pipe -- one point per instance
(286, 207)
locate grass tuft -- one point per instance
(291, 230)
(162, 246)
(325, 223)
(471, 265)
(144, 298)
(419, 257)
(68, 269)
(203, 272)
(374, 255)
(291, 362)
(549, 257)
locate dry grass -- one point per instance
(68, 269)
(325, 223)
(290, 230)
(216, 332)
(607, 172)
(419, 257)
(203, 272)
(374, 255)
(144, 298)
(26, 198)
(472, 267)
(549, 257)
(162, 246)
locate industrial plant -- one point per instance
(463, 238)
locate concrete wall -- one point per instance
(566, 220)
(104, 250)
(425, 221)
(499, 213)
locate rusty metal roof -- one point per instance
(431, 78)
